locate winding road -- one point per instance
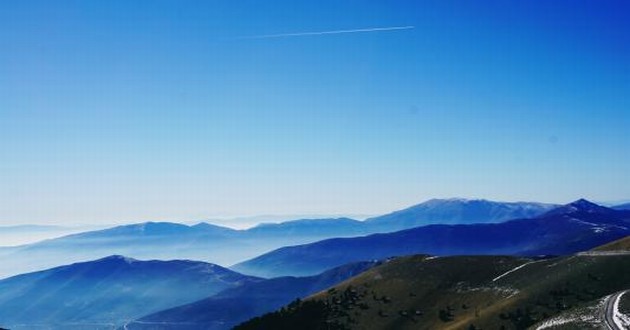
(602, 253)
(610, 309)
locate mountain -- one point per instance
(226, 246)
(574, 227)
(105, 292)
(164, 240)
(312, 227)
(233, 306)
(434, 211)
(252, 221)
(151, 240)
(459, 292)
(457, 211)
(622, 207)
(27, 234)
(153, 229)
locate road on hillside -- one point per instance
(603, 253)
(610, 309)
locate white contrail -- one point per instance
(319, 33)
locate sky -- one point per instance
(125, 110)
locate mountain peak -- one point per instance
(584, 205)
(209, 226)
(450, 200)
(117, 257)
(580, 206)
(582, 201)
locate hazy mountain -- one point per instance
(625, 206)
(145, 241)
(457, 211)
(232, 306)
(108, 291)
(312, 227)
(158, 229)
(164, 240)
(27, 234)
(253, 221)
(463, 292)
(32, 228)
(226, 246)
(574, 227)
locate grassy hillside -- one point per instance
(233, 306)
(618, 245)
(468, 292)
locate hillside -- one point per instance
(108, 291)
(578, 226)
(465, 292)
(618, 245)
(232, 306)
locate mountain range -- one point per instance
(226, 246)
(123, 292)
(157, 240)
(574, 227)
(457, 211)
(104, 293)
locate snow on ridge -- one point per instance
(583, 316)
(584, 222)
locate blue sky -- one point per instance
(115, 111)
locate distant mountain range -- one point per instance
(232, 306)
(457, 211)
(574, 227)
(27, 234)
(122, 292)
(104, 293)
(163, 240)
(226, 246)
(461, 292)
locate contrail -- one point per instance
(319, 33)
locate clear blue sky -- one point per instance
(126, 110)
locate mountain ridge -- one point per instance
(232, 306)
(208, 242)
(458, 211)
(112, 289)
(575, 229)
